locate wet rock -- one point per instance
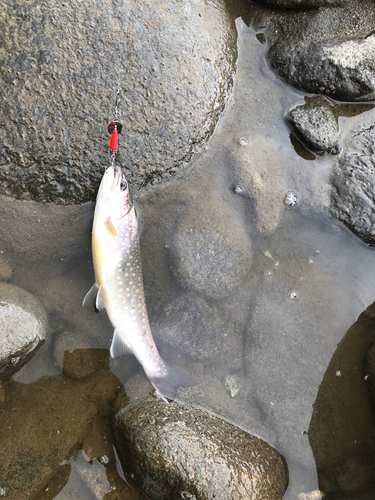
(311, 495)
(58, 409)
(76, 355)
(83, 363)
(316, 124)
(260, 176)
(303, 4)
(23, 324)
(61, 68)
(178, 451)
(353, 182)
(328, 51)
(210, 250)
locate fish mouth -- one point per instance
(117, 177)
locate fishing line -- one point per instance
(115, 127)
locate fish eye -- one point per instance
(123, 185)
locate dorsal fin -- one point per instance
(111, 228)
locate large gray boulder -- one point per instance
(181, 452)
(23, 325)
(60, 66)
(328, 51)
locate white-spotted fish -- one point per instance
(119, 286)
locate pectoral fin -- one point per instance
(111, 228)
(95, 297)
(90, 297)
(118, 346)
(100, 299)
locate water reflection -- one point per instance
(342, 427)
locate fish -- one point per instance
(118, 286)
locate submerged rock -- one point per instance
(260, 177)
(23, 325)
(42, 424)
(60, 71)
(210, 250)
(316, 124)
(353, 181)
(329, 50)
(178, 451)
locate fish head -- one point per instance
(114, 192)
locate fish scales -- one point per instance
(119, 285)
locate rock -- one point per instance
(260, 177)
(201, 330)
(23, 324)
(210, 250)
(303, 4)
(183, 318)
(316, 124)
(328, 51)
(353, 184)
(58, 409)
(311, 495)
(178, 451)
(61, 66)
(76, 355)
(83, 363)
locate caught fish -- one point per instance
(118, 283)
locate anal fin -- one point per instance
(118, 346)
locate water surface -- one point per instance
(250, 296)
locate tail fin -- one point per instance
(168, 385)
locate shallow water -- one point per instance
(257, 320)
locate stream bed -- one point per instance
(266, 302)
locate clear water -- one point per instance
(268, 334)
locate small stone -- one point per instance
(184, 446)
(311, 495)
(232, 385)
(316, 124)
